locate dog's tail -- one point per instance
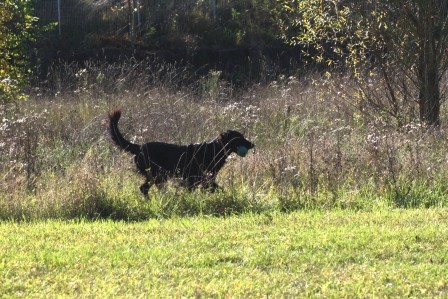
(117, 137)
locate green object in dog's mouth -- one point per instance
(241, 151)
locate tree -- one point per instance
(17, 31)
(403, 42)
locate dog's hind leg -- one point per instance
(144, 188)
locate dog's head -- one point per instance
(234, 142)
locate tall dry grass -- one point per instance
(315, 147)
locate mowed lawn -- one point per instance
(332, 254)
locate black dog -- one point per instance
(197, 164)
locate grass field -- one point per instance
(333, 254)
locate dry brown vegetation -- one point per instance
(317, 146)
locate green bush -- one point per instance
(17, 35)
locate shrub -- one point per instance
(17, 34)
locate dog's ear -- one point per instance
(243, 131)
(224, 136)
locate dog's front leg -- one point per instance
(213, 187)
(210, 184)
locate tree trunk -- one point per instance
(429, 95)
(428, 76)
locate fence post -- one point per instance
(59, 16)
(213, 5)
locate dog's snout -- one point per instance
(251, 146)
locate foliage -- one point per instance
(237, 23)
(167, 25)
(403, 42)
(17, 31)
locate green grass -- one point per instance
(331, 254)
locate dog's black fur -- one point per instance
(196, 164)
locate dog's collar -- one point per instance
(224, 149)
